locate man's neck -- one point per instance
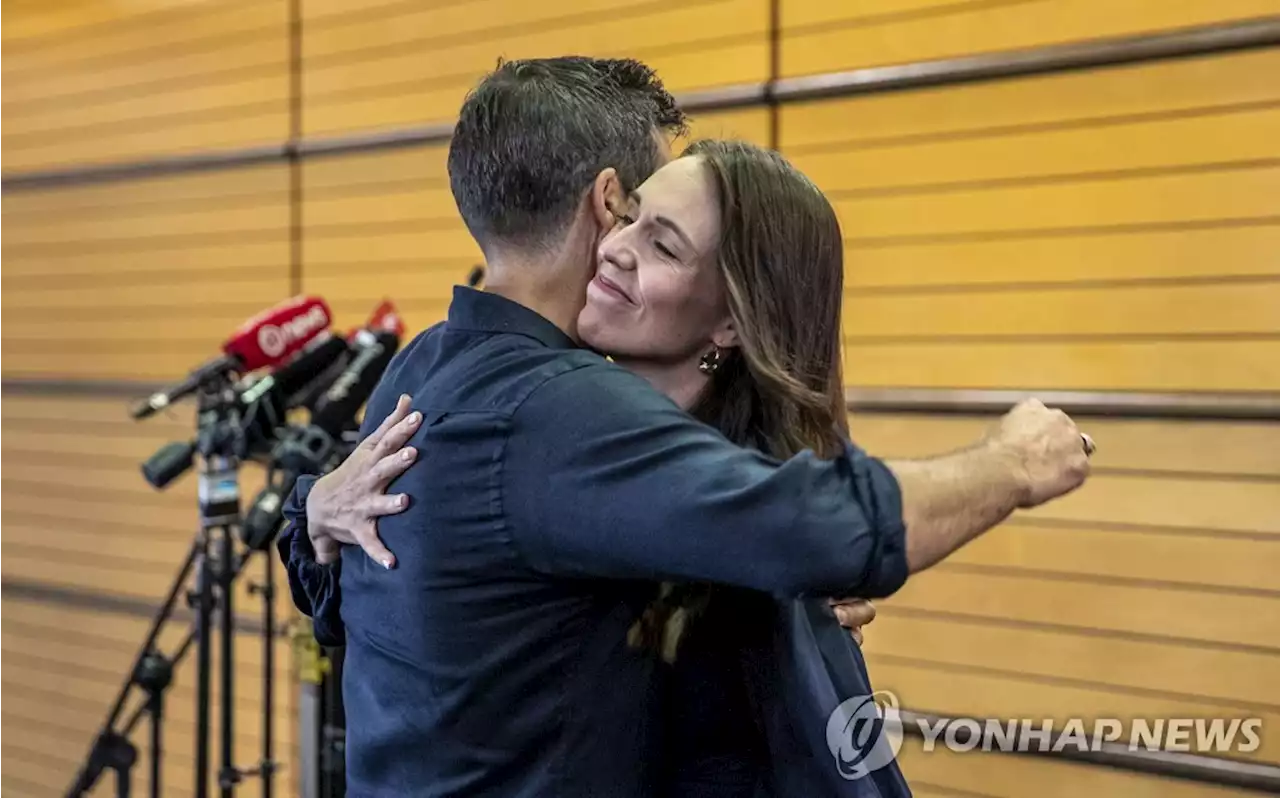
(549, 286)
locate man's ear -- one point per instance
(607, 198)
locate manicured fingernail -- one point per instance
(404, 397)
(406, 455)
(402, 500)
(415, 417)
(386, 563)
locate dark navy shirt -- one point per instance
(558, 490)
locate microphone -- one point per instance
(263, 405)
(312, 449)
(267, 339)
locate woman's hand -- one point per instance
(853, 614)
(344, 506)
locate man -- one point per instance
(558, 489)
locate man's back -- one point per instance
(468, 671)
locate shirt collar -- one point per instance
(480, 311)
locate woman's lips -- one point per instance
(611, 288)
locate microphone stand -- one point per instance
(220, 444)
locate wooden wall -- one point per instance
(1103, 229)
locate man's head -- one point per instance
(534, 137)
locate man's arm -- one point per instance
(603, 477)
(1032, 455)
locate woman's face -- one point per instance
(658, 294)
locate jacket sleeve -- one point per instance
(604, 477)
(313, 587)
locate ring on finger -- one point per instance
(1089, 446)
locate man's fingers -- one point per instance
(372, 545)
(397, 415)
(398, 435)
(392, 466)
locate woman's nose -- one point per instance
(618, 252)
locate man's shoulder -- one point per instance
(445, 368)
(588, 383)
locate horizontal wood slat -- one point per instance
(405, 64)
(825, 37)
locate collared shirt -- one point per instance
(554, 491)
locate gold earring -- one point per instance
(710, 361)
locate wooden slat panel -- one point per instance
(1152, 555)
(975, 693)
(1217, 138)
(149, 84)
(823, 37)
(1201, 447)
(130, 30)
(375, 69)
(57, 697)
(141, 279)
(975, 774)
(1226, 308)
(1238, 677)
(1074, 365)
(1163, 89)
(1116, 601)
(1235, 251)
(956, 202)
(384, 225)
(1189, 614)
(1091, 204)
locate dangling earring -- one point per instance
(710, 361)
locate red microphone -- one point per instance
(277, 334)
(268, 339)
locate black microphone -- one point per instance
(266, 402)
(263, 405)
(312, 449)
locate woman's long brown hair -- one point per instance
(781, 390)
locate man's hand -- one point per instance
(853, 614)
(344, 506)
(1047, 449)
(1033, 454)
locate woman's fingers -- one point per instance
(854, 613)
(372, 545)
(398, 435)
(397, 415)
(392, 466)
(377, 506)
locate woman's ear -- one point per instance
(725, 336)
(607, 196)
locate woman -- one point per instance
(722, 287)
(721, 284)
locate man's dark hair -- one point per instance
(535, 133)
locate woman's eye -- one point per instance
(626, 218)
(664, 250)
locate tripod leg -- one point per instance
(157, 740)
(203, 663)
(226, 574)
(268, 671)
